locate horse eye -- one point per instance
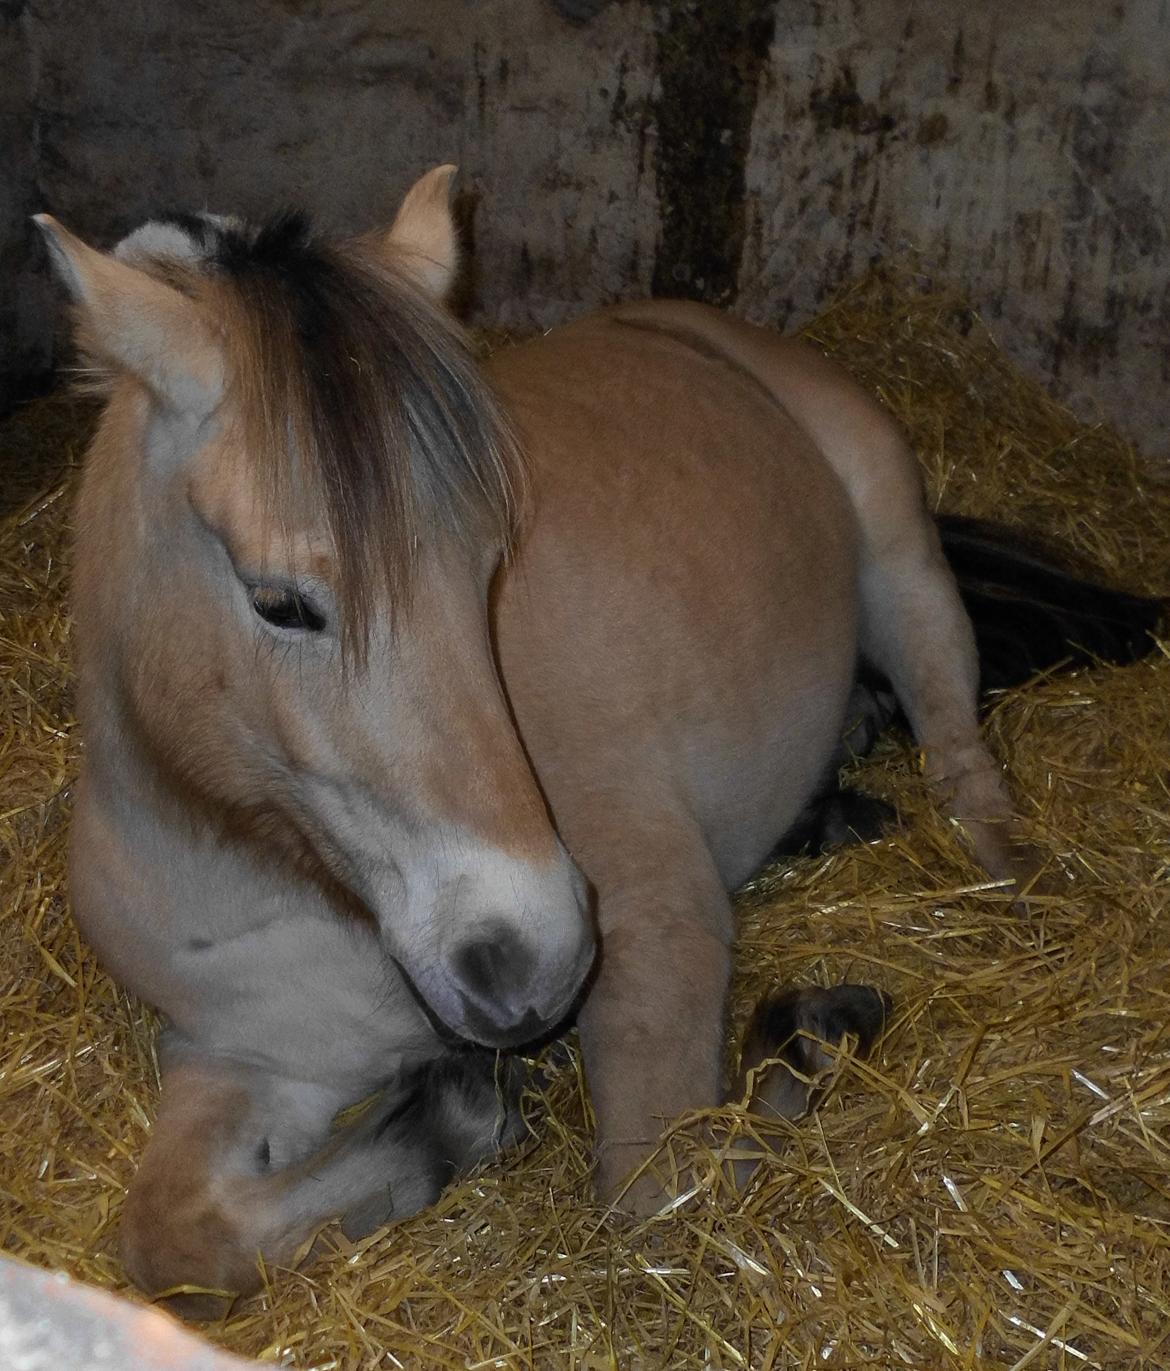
(287, 609)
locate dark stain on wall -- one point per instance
(463, 295)
(579, 11)
(841, 107)
(710, 57)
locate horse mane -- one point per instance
(355, 387)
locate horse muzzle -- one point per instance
(505, 994)
(499, 948)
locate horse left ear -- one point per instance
(422, 238)
(138, 323)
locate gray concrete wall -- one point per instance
(754, 153)
(1023, 150)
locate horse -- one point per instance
(428, 702)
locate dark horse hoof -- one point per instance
(798, 1028)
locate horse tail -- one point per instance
(1032, 611)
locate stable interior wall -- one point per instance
(750, 153)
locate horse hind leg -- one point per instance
(916, 632)
(795, 1027)
(242, 1166)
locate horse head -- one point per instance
(292, 513)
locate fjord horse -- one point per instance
(420, 699)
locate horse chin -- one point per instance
(459, 1020)
(531, 1031)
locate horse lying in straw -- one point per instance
(425, 702)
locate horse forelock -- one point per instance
(355, 394)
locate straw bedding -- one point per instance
(992, 1189)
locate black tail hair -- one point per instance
(1032, 612)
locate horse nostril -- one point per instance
(496, 971)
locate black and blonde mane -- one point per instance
(354, 384)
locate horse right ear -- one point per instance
(137, 323)
(422, 238)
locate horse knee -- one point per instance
(177, 1237)
(194, 1215)
(242, 1167)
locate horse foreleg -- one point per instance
(191, 1216)
(652, 1024)
(242, 1166)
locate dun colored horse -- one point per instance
(428, 702)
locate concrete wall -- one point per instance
(1022, 149)
(753, 153)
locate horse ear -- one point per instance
(136, 322)
(422, 237)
